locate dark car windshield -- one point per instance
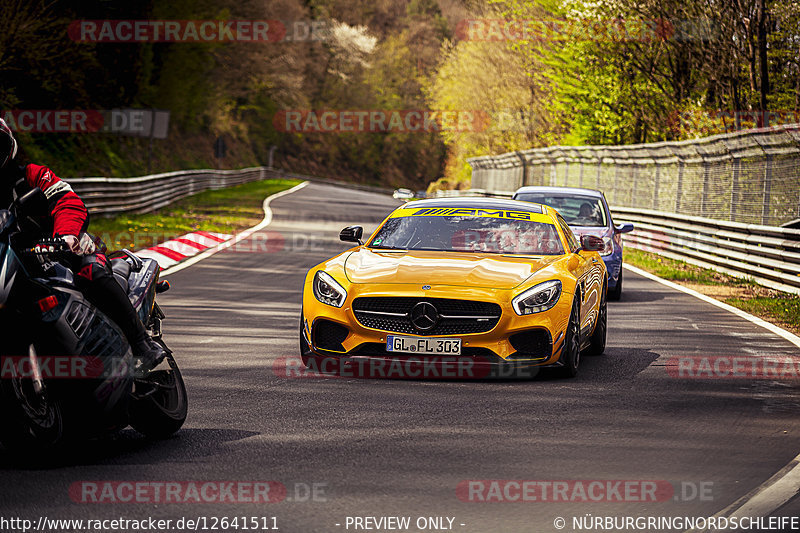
(577, 210)
(469, 234)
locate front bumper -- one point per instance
(336, 332)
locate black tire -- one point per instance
(571, 352)
(28, 420)
(598, 340)
(615, 294)
(162, 409)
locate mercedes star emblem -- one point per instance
(424, 316)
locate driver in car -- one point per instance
(70, 220)
(586, 215)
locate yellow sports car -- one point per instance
(501, 283)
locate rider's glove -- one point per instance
(73, 243)
(81, 246)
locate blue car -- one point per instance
(586, 211)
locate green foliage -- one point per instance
(588, 79)
(618, 71)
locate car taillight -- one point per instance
(48, 304)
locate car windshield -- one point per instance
(577, 210)
(468, 234)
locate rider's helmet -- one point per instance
(8, 144)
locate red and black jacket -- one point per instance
(67, 211)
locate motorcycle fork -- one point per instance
(36, 371)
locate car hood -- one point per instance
(443, 268)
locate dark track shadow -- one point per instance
(633, 297)
(126, 447)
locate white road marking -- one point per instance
(791, 337)
(238, 237)
(162, 260)
(785, 484)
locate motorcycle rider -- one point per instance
(70, 220)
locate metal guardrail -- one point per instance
(768, 255)
(147, 193)
(751, 176)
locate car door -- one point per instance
(588, 271)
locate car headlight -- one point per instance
(327, 290)
(538, 298)
(608, 246)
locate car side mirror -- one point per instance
(592, 243)
(351, 234)
(625, 227)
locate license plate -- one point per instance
(424, 346)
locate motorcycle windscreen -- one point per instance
(11, 273)
(142, 288)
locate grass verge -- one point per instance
(780, 308)
(222, 211)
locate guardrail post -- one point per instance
(566, 173)
(798, 203)
(704, 197)
(521, 157)
(737, 168)
(767, 190)
(680, 186)
(553, 175)
(655, 186)
(599, 170)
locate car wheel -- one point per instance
(598, 341)
(571, 352)
(615, 294)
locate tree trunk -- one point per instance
(751, 63)
(797, 89)
(762, 59)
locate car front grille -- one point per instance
(531, 344)
(453, 317)
(329, 335)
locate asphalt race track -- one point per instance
(401, 447)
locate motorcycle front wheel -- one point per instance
(30, 418)
(159, 405)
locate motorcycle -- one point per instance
(66, 369)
